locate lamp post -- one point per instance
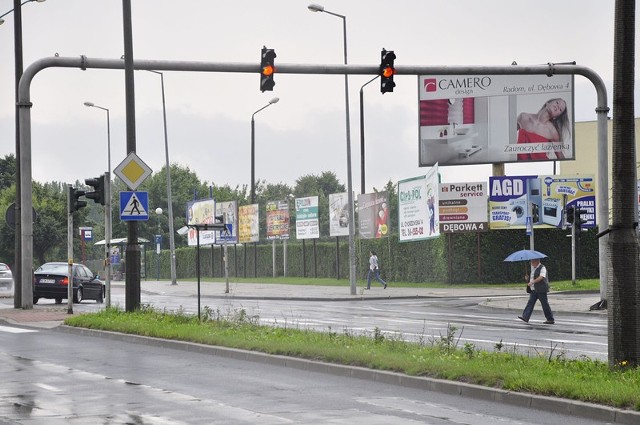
(18, 289)
(17, 7)
(352, 249)
(172, 243)
(253, 169)
(158, 242)
(362, 180)
(253, 148)
(108, 220)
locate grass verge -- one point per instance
(546, 374)
(561, 285)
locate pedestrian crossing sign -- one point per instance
(134, 206)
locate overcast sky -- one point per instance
(209, 115)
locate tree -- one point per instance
(7, 171)
(624, 290)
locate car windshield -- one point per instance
(59, 268)
(3, 267)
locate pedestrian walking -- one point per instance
(538, 288)
(374, 270)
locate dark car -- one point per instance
(51, 280)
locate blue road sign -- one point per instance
(134, 206)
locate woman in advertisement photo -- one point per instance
(550, 125)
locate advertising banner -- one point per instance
(413, 213)
(338, 214)
(248, 223)
(277, 220)
(307, 225)
(463, 207)
(539, 200)
(562, 192)
(433, 202)
(229, 211)
(481, 119)
(373, 215)
(200, 212)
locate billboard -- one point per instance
(540, 200)
(277, 220)
(483, 119)
(463, 207)
(229, 211)
(200, 212)
(338, 214)
(373, 215)
(248, 223)
(307, 225)
(413, 213)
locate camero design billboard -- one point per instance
(483, 119)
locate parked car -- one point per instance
(51, 280)
(6, 277)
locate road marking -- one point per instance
(48, 387)
(15, 330)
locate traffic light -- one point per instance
(569, 215)
(98, 185)
(218, 222)
(267, 68)
(579, 221)
(73, 198)
(387, 71)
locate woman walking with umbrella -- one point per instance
(537, 286)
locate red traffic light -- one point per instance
(268, 70)
(388, 72)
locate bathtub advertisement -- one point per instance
(540, 201)
(486, 119)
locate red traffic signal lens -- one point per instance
(388, 72)
(268, 70)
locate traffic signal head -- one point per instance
(387, 71)
(218, 222)
(98, 194)
(74, 203)
(569, 215)
(267, 69)
(579, 221)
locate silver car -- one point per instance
(6, 277)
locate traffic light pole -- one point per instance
(133, 276)
(69, 251)
(573, 251)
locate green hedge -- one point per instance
(451, 258)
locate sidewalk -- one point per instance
(512, 299)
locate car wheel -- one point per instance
(58, 300)
(100, 298)
(35, 300)
(77, 298)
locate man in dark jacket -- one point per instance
(539, 284)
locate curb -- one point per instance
(545, 403)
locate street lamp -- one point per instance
(253, 169)
(108, 226)
(21, 293)
(172, 243)
(253, 148)
(362, 180)
(352, 249)
(158, 242)
(21, 4)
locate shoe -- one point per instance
(523, 319)
(549, 322)
(385, 286)
(367, 288)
